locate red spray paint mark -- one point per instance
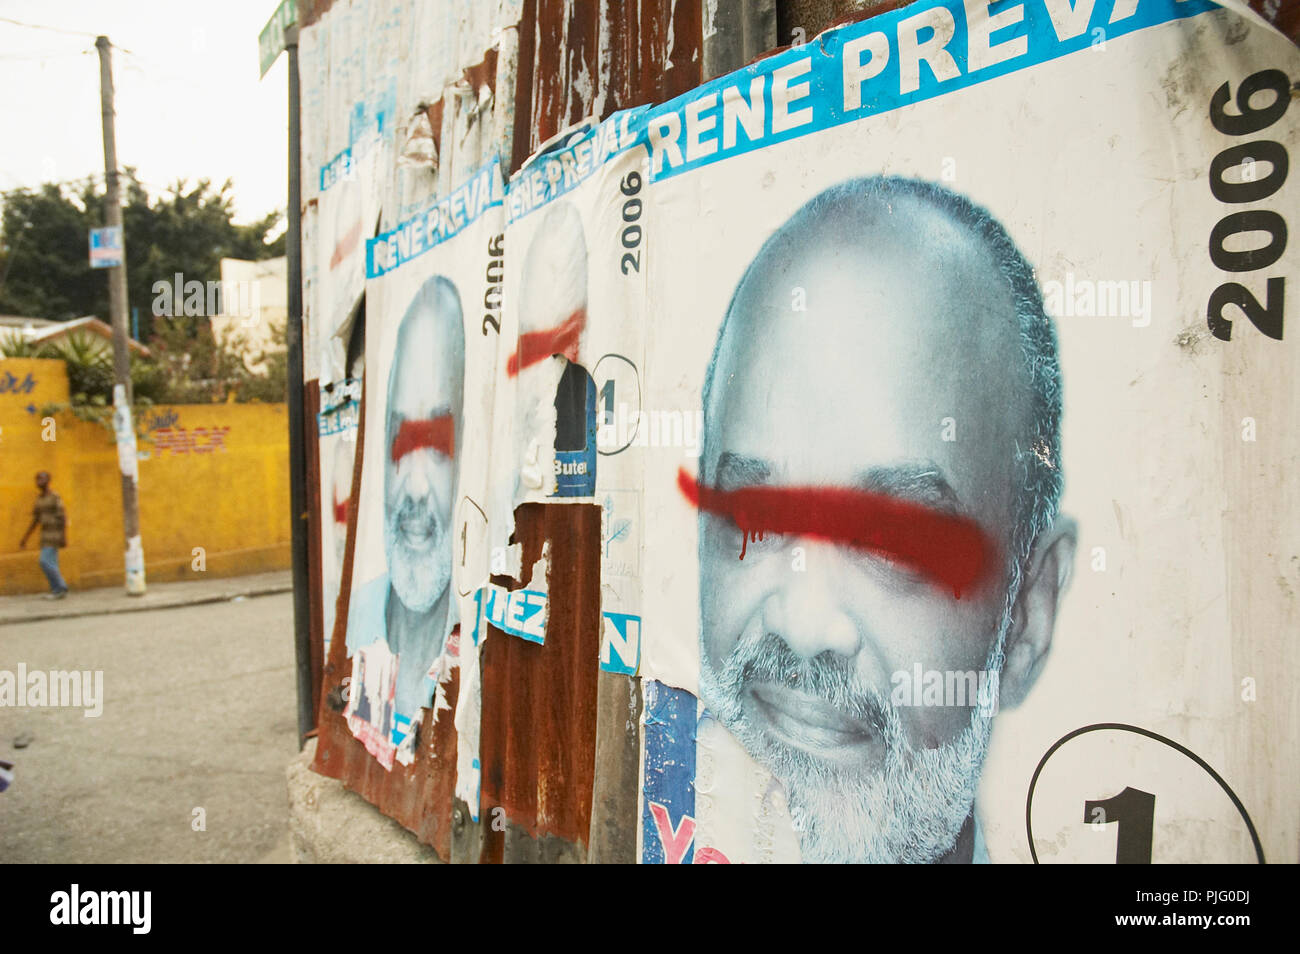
(539, 345)
(340, 511)
(435, 432)
(345, 245)
(946, 550)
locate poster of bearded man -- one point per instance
(421, 531)
(989, 552)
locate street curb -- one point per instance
(138, 607)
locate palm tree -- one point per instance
(90, 366)
(16, 345)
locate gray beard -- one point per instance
(418, 578)
(909, 810)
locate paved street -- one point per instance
(198, 712)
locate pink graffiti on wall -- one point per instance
(197, 440)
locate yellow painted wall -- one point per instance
(212, 476)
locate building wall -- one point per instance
(214, 485)
(254, 303)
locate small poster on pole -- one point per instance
(106, 247)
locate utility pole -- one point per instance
(297, 423)
(123, 421)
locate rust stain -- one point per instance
(538, 734)
(541, 716)
(417, 796)
(1283, 15)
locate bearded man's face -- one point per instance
(857, 495)
(419, 464)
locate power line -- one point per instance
(38, 26)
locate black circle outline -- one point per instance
(1029, 800)
(637, 372)
(467, 499)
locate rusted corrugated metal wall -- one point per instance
(558, 746)
(549, 760)
(559, 739)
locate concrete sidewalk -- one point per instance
(113, 599)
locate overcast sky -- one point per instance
(189, 101)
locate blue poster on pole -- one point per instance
(106, 247)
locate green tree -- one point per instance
(187, 232)
(45, 273)
(44, 267)
(44, 258)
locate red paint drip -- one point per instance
(946, 550)
(340, 511)
(744, 541)
(537, 346)
(435, 432)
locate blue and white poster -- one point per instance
(421, 545)
(987, 552)
(573, 331)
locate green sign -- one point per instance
(271, 40)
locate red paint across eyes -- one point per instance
(946, 550)
(437, 433)
(539, 345)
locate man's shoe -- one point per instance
(59, 595)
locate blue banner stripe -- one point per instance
(878, 65)
(443, 220)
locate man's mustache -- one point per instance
(828, 677)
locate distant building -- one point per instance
(42, 331)
(254, 304)
(8, 323)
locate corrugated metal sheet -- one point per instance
(559, 739)
(583, 59)
(418, 796)
(1283, 14)
(538, 733)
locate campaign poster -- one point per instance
(990, 550)
(420, 552)
(569, 408)
(336, 425)
(360, 48)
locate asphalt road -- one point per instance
(198, 713)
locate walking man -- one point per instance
(49, 514)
